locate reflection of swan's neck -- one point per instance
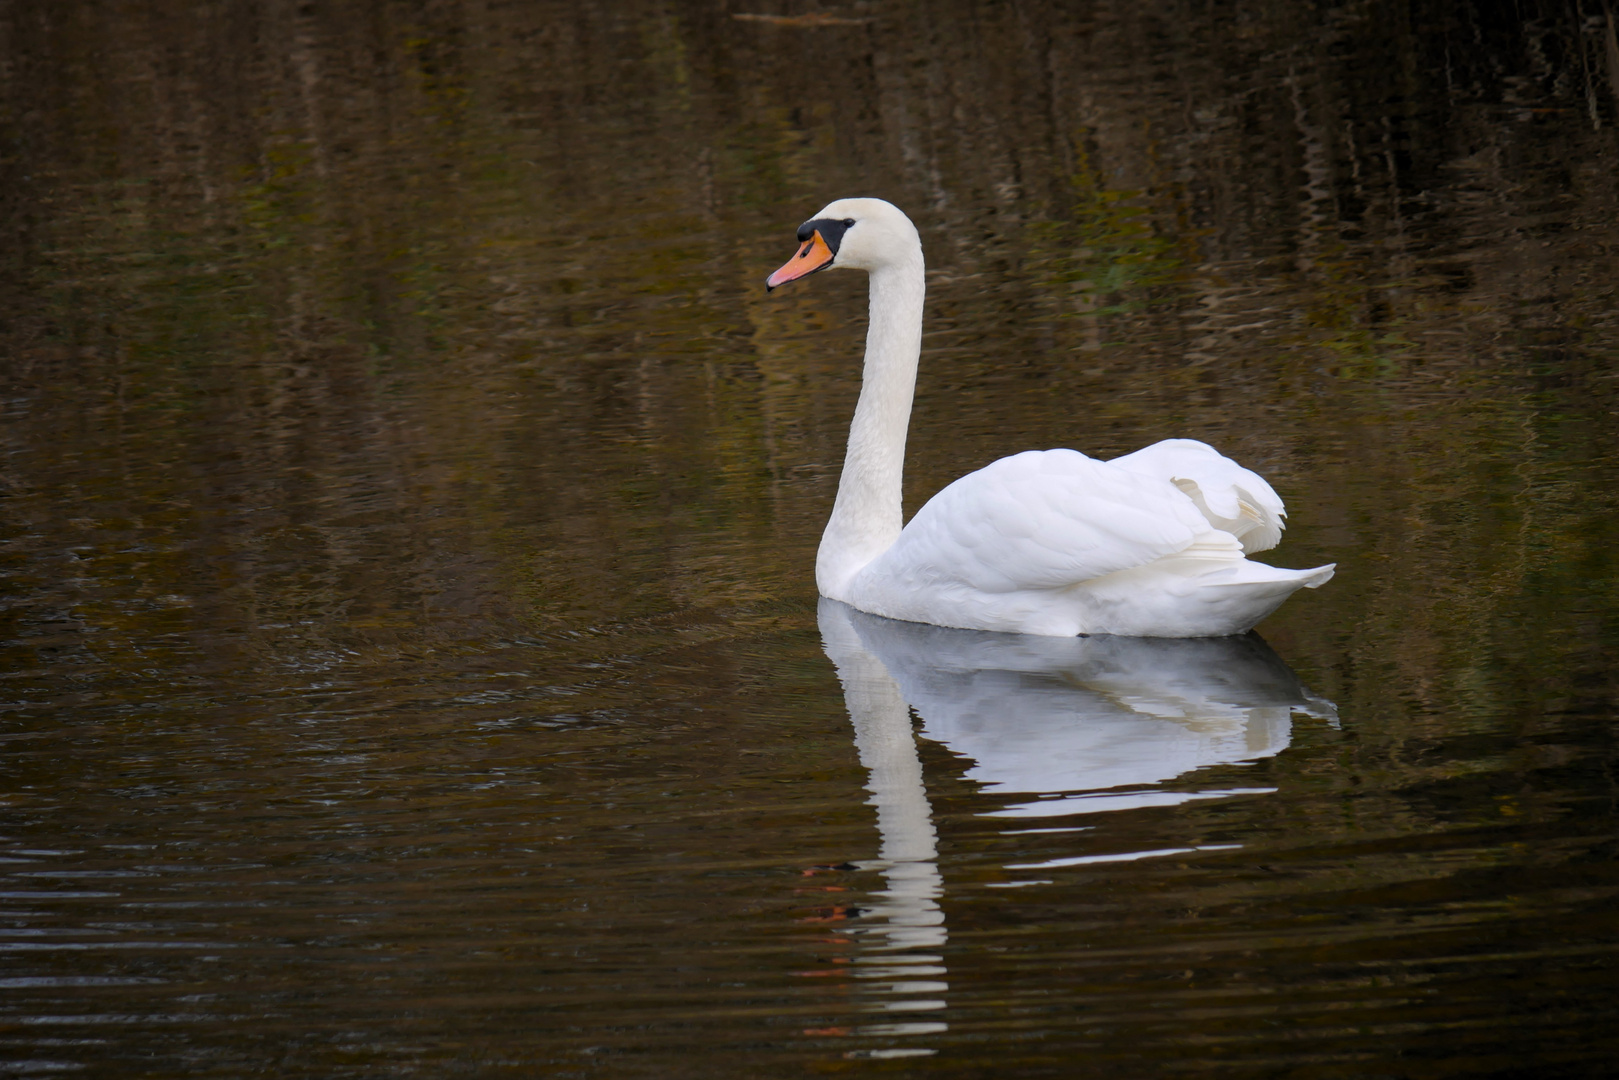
(888, 751)
(887, 746)
(882, 734)
(867, 517)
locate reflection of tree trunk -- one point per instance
(1613, 53)
(299, 43)
(894, 105)
(1039, 46)
(304, 60)
(1212, 321)
(1317, 201)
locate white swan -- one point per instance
(1043, 542)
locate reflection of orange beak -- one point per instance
(813, 256)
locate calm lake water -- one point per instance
(411, 658)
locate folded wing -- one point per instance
(1231, 497)
(1043, 520)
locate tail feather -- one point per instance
(1249, 574)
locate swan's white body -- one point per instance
(1051, 542)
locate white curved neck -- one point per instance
(867, 517)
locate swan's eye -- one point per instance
(848, 221)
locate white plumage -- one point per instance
(1050, 542)
(1232, 498)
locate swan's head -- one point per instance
(854, 234)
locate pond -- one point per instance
(412, 657)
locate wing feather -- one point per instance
(1040, 520)
(1232, 498)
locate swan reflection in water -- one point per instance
(1056, 726)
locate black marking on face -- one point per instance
(831, 231)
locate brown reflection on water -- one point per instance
(410, 497)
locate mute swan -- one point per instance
(1048, 542)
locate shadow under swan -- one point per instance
(1082, 724)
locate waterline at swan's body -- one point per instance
(1052, 542)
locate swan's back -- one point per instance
(1042, 519)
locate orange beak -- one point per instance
(813, 256)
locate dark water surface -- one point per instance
(411, 657)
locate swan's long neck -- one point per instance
(867, 517)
